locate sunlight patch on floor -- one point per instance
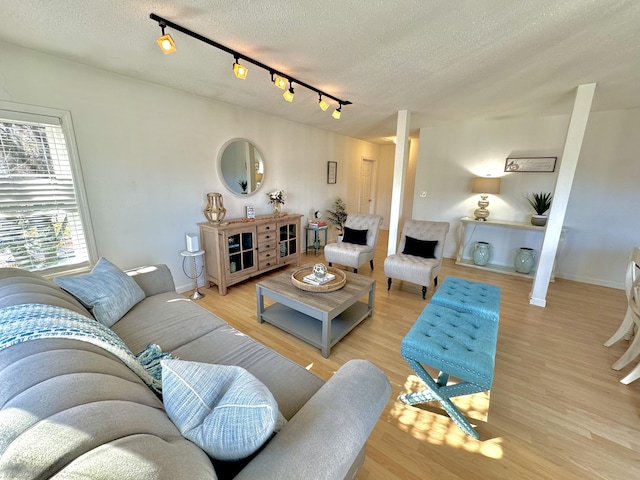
(432, 424)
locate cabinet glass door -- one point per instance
(241, 251)
(288, 238)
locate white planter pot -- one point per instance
(539, 220)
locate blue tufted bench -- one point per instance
(456, 333)
(466, 296)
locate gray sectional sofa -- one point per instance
(70, 409)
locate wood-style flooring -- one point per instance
(556, 410)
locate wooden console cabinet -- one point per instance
(239, 249)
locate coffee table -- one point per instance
(321, 319)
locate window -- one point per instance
(44, 222)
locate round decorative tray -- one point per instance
(336, 284)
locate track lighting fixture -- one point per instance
(323, 104)
(165, 41)
(288, 94)
(278, 78)
(279, 81)
(240, 70)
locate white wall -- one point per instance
(148, 155)
(602, 215)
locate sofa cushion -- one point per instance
(223, 409)
(69, 409)
(107, 291)
(18, 287)
(291, 385)
(420, 248)
(351, 235)
(161, 319)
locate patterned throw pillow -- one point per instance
(107, 291)
(420, 248)
(223, 409)
(351, 235)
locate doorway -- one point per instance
(367, 191)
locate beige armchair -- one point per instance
(351, 254)
(418, 259)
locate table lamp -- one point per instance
(484, 186)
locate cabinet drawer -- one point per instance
(268, 245)
(267, 262)
(268, 227)
(267, 237)
(267, 256)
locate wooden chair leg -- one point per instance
(424, 293)
(388, 284)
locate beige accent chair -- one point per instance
(351, 254)
(412, 268)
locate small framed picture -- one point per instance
(530, 164)
(332, 172)
(251, 211)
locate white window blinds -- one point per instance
(40, 220)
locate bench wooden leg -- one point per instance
(440, 391)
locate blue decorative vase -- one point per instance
(481, 252)
(524, 260)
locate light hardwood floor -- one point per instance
(556, 410)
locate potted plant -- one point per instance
(338, 216)
(243, 185)
(541, 202)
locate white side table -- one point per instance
(196, 295)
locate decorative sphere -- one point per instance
(319, 270)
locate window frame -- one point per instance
(35, 113)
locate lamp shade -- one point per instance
(486, 185)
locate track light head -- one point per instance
(337, 112)
(279, 81)
(288, 94)
(240, 71)
(165, 41)
(323, 104)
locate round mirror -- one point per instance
(241, 167)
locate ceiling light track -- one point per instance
(163, 22)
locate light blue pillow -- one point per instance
(223, 409)
(107, 291)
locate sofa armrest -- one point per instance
(153, 279)
(326, 436)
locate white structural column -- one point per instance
(399, 169)
(568, 164)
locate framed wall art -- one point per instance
(332, 172)
(530, 164)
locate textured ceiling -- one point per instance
(442, 60)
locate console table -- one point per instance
(505, 230)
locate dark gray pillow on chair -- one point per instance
(359, 237)
(420, 248)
